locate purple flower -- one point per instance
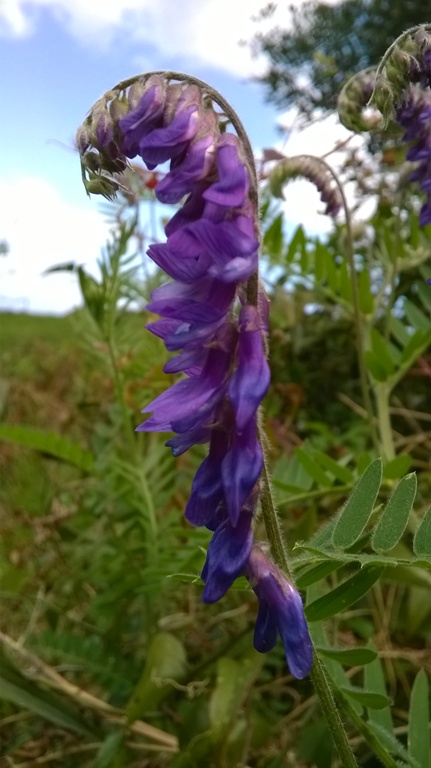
(194, 164)
(228, 553)
(231, 188)
(280, 613)
(241, 469)
(207, 488)
(210, 252)
(145, 117)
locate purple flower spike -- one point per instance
(280, 611)
(210, 252)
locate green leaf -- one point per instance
(317, 573)
(345, 283)
(346, 594)
(368, 699)
(337, 470)
(273, 237)
(381, 352)
(331, 271)
(165, 664)
(29, 695)
(419, 718)
(422, 539)
(313, 469)
(297, 244)
(424, 292)
(111, 749)
(416, 317)
(233, 680)
(366, 298)
(397, 467)
(399, 330)
(319, 261)
(394, 519)
(374, 679)
(418, 342)
(355, 515)
(375, 366)
(48, 442)
(391, 743)
(349, 656)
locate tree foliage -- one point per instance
(309, 63)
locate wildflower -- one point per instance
(280, 612)
(204, 316)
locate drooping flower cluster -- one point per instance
(313, 169)
(206, 315)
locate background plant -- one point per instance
(110, 659)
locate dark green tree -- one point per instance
(309, 63)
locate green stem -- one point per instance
(329, 708)
(132, 445)
(382, 393)
(357, 317)
(408, 33)
(318, 677)
(369, 735)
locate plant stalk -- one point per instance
(318, 676)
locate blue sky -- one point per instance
(56, 58)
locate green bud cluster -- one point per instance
(384, 87)
(97, 139)
(397, 70)
(352, 100)
(313, 169)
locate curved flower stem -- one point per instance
(400, 39)
(390, 50)
(356, 307)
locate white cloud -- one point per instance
(208, 31)
(42, 229)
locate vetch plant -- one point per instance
(214, 313)
(214, 316)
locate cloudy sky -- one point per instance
(56, 58)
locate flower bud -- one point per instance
(118, 108)
(82, 138)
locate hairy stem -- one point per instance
(318, 676)
(357, 318)
(382, 392)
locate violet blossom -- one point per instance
(205, 315)
(280, 613)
